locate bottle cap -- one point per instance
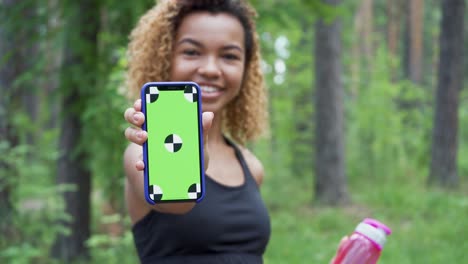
(375, 231)
(379, 225)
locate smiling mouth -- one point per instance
(209, 89)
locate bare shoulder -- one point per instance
(255, 165)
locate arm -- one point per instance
(138, 207)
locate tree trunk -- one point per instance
(53, 53)
(330, 179)
(415, 18)
(362, 48)
(78, 79)
(445, 133)
(413, 50)
(29, 54)
(365, 32)
(302, 141)
(394, 14)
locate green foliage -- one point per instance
(36, 202)
(426, 223)
(327, 12)
(113, 249)
(463, 134)
(387, 126)
(104, 132)
(388, 136)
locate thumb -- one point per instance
(207, 121)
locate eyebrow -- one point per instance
(199, 44)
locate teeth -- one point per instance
(209, 89)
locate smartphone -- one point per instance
(173, 153)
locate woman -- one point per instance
(214, 44)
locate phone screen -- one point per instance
(173, 153)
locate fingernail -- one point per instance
(139, 134)
(135, 117)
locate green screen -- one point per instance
(173, 165)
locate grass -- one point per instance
(429, 225)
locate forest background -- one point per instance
(399, 128)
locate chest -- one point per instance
(226, 217)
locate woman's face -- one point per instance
(209, 50)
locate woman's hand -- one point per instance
(207, 121)
(135, 134)
(134, 165)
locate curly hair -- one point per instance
(150, 51)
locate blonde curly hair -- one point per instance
(150, 50)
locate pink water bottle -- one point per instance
(365, 244)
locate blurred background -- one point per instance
(368, 118)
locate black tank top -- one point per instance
(230, 225)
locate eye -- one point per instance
(231, 56)
(190, 52)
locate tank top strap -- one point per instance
(241, 159)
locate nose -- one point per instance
(210, 68)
